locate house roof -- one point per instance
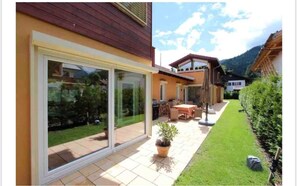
(231, 76)
(166, 71)
(212, 60)
(271, 48)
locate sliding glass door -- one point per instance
(77, 107)
(194, 95)
(80, 122)
(129, 106)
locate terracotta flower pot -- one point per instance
(163, 151)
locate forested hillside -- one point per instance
(240, 65)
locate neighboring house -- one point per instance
(269, 59)
(78, 64)
(169, 85)
(193, 66)
(234, 82)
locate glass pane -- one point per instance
(129, 106)
(194, 95)
(77, 112)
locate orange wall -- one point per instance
(198, 75)
(170, 86)
(24, 26)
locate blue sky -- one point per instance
(222, 30)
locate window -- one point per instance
(229, 84)
(129, 106)
(77, 110)
(239, 83)
(194, 94)
(163, 90)
(178, 90)
(135, 10)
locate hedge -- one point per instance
(262, 101)
(231, 95)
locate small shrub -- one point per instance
(167, 132)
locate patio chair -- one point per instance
(198, 113)
(190, 102)
(173, 116)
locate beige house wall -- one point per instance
(170, 86)
(24, 26)
(198, 75)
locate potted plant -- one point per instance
(166, 133)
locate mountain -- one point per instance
(240, 65)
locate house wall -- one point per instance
(232, 87)
(198, 75)
(170, 86)
(277, 63)
(102, 22)
(24, 26)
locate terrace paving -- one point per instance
(139, 164)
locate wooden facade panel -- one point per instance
(102, 22)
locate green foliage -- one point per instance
(262, 101)
(79, 103)
(241, 64)
(167, 132)
(231, 95)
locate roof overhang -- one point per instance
(212, 60)
(271, 48)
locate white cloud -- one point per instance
(253, 9)
(210, 17)
(169, 42)
(192, 39)
(248, 22)
(180, 5)
(161, 33)
(216, 6)
(202, 8)
(169, 56)
(190, 23)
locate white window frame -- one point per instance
(44, 47)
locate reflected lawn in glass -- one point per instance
(66, 135)
(129, 120)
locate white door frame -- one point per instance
(44, 47)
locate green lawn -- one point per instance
(221, 159)
(66, 135)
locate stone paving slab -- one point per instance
(139, 163)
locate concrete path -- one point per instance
(139, 164)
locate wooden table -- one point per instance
(185, 109)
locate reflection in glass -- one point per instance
(194, 95)
(77, 112)
(129, 106)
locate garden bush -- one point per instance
(231, 95)
(262, 101)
